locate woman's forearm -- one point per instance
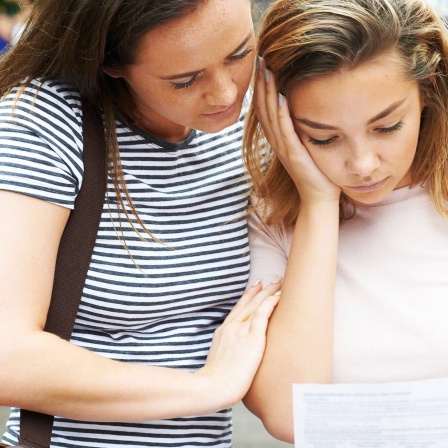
(300, 334)
(49, 375)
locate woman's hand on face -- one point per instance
(274, 116)
(238, 344)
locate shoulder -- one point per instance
(44, 107)
(41, 141)
(279, 236)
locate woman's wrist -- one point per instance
(211, 393)
(320, 205)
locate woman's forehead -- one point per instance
(211, 32)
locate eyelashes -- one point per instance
(239, 56)
(394, 128)
(323, 143)
(191, 81)
(186, 84)
(315, 142)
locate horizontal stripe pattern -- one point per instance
(192, 196)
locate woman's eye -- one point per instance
(316, 142)
(394, 128)
(242, 55)
(186, 84)
(190, 82)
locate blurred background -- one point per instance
(259, 8)
(440, 5)
(12, 17)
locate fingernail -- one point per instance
(257, 282)
(266, 75)
(278, 293)
(277, 280)
(259, 62)
(281, 100)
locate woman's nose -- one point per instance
(222, 91)
(363, 162)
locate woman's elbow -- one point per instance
(8, 382)
(16, 358)
(278, 426)
(278, 422)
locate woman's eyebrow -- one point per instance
(314, 124)
(180, 75)
(382, 114)
(387, 111)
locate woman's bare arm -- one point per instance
(300, 335)
(45, 373)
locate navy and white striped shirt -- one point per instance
(191, 195)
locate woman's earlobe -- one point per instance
(112, 72)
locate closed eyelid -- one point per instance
(183, 80)
(183, 84)
(243, 47)
(192, 77)
(325, 134)
(305, 135)
(322, 142)
(389, 124)
(393, 128)
(241, 53)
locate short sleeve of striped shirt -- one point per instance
(41, 142)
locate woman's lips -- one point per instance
(366, 188)
(223, 114)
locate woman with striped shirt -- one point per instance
(171, 255)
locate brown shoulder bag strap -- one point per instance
(74, 254)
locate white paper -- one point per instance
(391, 415)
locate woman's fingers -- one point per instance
(260, 102)
(269, 114)
(275, 118)
(294, 149)
(238, 344)
(252, 299)
(271, 104)
(260, 318)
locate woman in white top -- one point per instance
(171, 258)
(351, 194)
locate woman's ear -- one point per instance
(112, 72)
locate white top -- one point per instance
(391, 294)
(193, 196)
